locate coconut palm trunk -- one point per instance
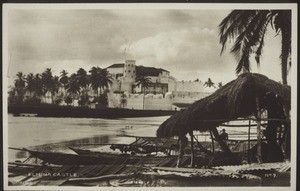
(284, 56)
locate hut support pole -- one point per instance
(192, 148)
(258, 122)
(180, 154)
(279, 134)
(249, 128)
(212, 141)
(283, 136)
(183, 142)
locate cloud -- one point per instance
(185, 50)
(165, 46)
(185, 42)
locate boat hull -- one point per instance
(106, 159)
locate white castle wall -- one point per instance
(188, 97)
(151, 102)
(158, 103)
(154, 102)
(186, 86)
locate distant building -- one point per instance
(124, 78)
(164, 93)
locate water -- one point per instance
(55, 134)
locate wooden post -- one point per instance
(258, 122)
(192, 148)
(179, 158)
(183, 142)
(279, 134)
(283, 135)
(249, 141)
(212, 142)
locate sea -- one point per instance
(58, 134)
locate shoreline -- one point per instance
(83, 112)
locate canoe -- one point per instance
(100, 158)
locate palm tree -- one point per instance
(30, 80)
(105, 79)
(55, 85)
(144, 81)
(64, 79)
(39, 86)
(73, 87)
(20, 81)
(209, 83)
(47, 79)
(82, 80)
(95, 79)
(12, 95)
(20, 86)
(248, 28)
(50, 83)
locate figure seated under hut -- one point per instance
(224, 135)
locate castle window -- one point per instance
(128, 71)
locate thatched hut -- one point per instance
(245, 96)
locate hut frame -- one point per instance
(246, 96)
(258, 140)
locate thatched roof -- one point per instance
(234, 100)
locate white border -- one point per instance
(162, 6)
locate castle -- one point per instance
(164, 93)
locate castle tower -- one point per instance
(129, 75)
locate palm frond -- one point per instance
(234, 24)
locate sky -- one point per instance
(184, 42)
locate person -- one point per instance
(224, 135)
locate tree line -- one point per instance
(37, 88)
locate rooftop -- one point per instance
(117, 65)
(142, 70)
(148, 71)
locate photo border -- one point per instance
(220, 6)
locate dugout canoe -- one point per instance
(102, 158)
